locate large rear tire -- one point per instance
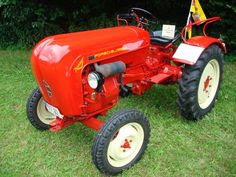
(36, 111)
(121, 142)
(200, 84)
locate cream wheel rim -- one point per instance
(208, 84)
(125, 144)
(43, 114)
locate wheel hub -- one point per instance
(126, 144)
(208, 84)
(43, 114)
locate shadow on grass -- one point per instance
(159, 100)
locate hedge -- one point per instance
(24, 22)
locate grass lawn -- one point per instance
(177, 147)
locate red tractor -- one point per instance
(81, 75)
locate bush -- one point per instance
(23, 23)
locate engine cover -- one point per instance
(58, 61)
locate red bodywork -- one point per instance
(55, 61)
(61, 65)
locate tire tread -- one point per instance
(107, 130)
(188, 84)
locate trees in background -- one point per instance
(24, 22)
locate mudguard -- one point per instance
(189, 52)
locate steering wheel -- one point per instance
(144, 18)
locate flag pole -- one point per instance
(188, 20)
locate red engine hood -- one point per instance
(58, 60)
(54, 48)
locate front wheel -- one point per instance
(200, 84)
(36, 111)
(121, 142)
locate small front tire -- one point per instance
(121, 141)
(36, 111)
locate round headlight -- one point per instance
(95, 80)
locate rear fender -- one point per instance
(189, 52)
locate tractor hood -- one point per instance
(58, 61)
(54, 48)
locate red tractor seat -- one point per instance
(157, 39)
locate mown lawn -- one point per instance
(177, 147)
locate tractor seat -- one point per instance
(156, 38)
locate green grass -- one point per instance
(177, 147)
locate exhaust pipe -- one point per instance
(111, 68)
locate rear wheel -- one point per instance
(200, 84)
(121, 142)
(37, 113)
